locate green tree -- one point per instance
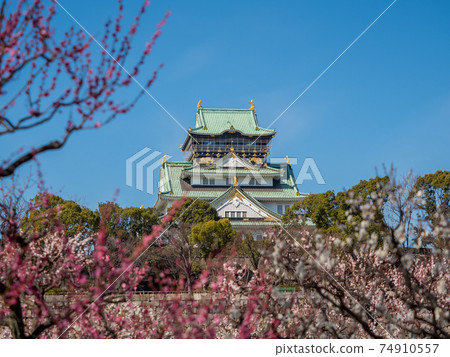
(138, 220)
(436, 193)
(109, 213)
(129, 221)
(319, 208)
(52, 211)
(195, 211)
(363, 190)
(212, 236)
(125, 227)
(327, 210)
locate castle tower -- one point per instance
(226, 165)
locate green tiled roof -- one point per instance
(168, 173)
(172, 186)
(210, 121)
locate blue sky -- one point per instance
(386, 101)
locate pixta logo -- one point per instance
(309, 167)
(141, 168)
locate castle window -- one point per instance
(207, 181)
(235, 214)
(280, 209)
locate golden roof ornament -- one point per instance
(199, 104)
(252, 105)
(235, 183)
(164, 159)
(142, 207)
(288, 160)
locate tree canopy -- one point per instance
(195, 211)
(212, 236)
(327, 210)
(51, 210)
(129, 221)
(436, 193)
